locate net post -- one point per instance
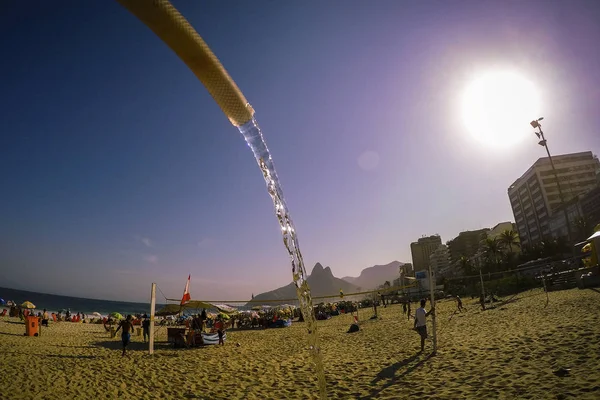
(152, 311)
(433, 319)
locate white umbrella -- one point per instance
(97, 314)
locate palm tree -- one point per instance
(466, 265)
(509, 238)
(492, 248)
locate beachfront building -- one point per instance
(422, 249)
(557, 222)
(440, 261)
(497, 230)
(465, 244)
(405, 270)
(590, 205)
(534, 196)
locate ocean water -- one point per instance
(53, 302)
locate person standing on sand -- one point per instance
(126, 334)
(404, 307)
(459, 304)
(220, 330)
(421, 322)
(408, 310)
(146, 327)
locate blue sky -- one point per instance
(118, 169)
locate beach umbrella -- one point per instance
(97, 314)
(116, 315)
(28, 305)
(2, 301)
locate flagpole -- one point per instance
(152, 310)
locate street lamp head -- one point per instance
(536, 122)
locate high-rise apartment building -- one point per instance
(590, 206)
(534, 196)
(422, 249)
(440, 261)
(465, 244)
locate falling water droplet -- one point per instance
(253, 135)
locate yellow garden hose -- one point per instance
(169, 25)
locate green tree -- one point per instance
(492, 248)
(509, 238)
(466, 265)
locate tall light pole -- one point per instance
(544, 143)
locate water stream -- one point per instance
(253, 135)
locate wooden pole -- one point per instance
(152, 310)
(481, 278)
(545, 289)
(432, 294)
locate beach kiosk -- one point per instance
(179, 336)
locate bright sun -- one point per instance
(498, 106)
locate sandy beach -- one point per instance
(508, 352)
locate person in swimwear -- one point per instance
(126, 334)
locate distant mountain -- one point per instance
(374, 276)
(321, 282)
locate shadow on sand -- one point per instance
(389, 373)
(116, 344)
(11, 334)
(52, 355)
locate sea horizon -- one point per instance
(54, 302)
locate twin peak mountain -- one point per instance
(323, 283)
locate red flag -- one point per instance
(186, 293)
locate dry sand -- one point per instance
(508, 352)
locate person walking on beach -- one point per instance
(146, 327)
(459, 304)
(404, 307)
(421, 322)
(126, 334)
(382, 295)
(220, 330)
(408, 310)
